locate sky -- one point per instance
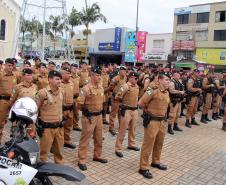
(155, 16)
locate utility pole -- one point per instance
(137, 29)
(44, 31)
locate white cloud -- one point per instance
(155, 16)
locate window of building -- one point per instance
(220, 35)
(221, 16)
(2, 30)
(203, 17)
(183, 19)
(201, 35)
(158, 44)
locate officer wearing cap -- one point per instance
(35, 69)
(41, 79)
(26, 64)
(25, 89)
(68, 87)
(90, 101)
(115, 84)
(50, 103)
(176, 91)
(8, 81)
(194, 87)
(154, 102)
(65, 64)
(128, 96)
(51, 66)
(75, 79)
(84, 75)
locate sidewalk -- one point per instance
(194, 156)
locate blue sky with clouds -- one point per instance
(155, 16)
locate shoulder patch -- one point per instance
(149, 91)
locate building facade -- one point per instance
(9, 20)
(158, 48)
(199, 33)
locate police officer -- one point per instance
(68, 87)
(35, 69)
(155, 102)
(75, 79)
(105, 83)
(8, 81)
(115, 84)
(224, 119)
(128, 96)
(176, 97)
(208, 89)
(41, 80)
(50, 103)
(217, 99)
(1, 64)
(51, 66)
(90, 101)
(194, 87)
(25, 89)
(84, 75)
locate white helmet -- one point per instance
(24, 109)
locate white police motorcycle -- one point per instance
(19, 157)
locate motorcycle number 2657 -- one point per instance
(15, 172)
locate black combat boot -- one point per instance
(224, 127)
(207, 119)
(203, 120)
(176, 128)
(214, 116)
(170, 130)
(218, 116)
(187, 123)
(193, 122)
(221, 112)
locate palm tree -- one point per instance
(90, 15)
(74, 20)
(56, 23)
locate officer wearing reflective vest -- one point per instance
(155, 103)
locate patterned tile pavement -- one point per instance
(195, 156)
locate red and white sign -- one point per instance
(184, 45)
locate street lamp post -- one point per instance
(137, 29)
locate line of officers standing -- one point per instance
(97, 91)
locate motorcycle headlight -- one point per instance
(33, 158)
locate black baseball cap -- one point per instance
(133, 74)
(42, 64)
(66, 69)
(96, 69)
(74, 65)
(51, 62)
(27, 62)
(9, 61)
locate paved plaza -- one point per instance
(194, 156)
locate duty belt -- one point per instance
(128, 108)
(156, 118)
(2, 97)
(53, 125)
(66, 108)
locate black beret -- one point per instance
(133, 74)
(27, 71)
(9, 61)
(122, 68)
(169, 75)
(51, 62)
(42, 64)
(14, 60)
(27, 62)
(96, 69)
(66, 69)
(74, 65)
(54, 73)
